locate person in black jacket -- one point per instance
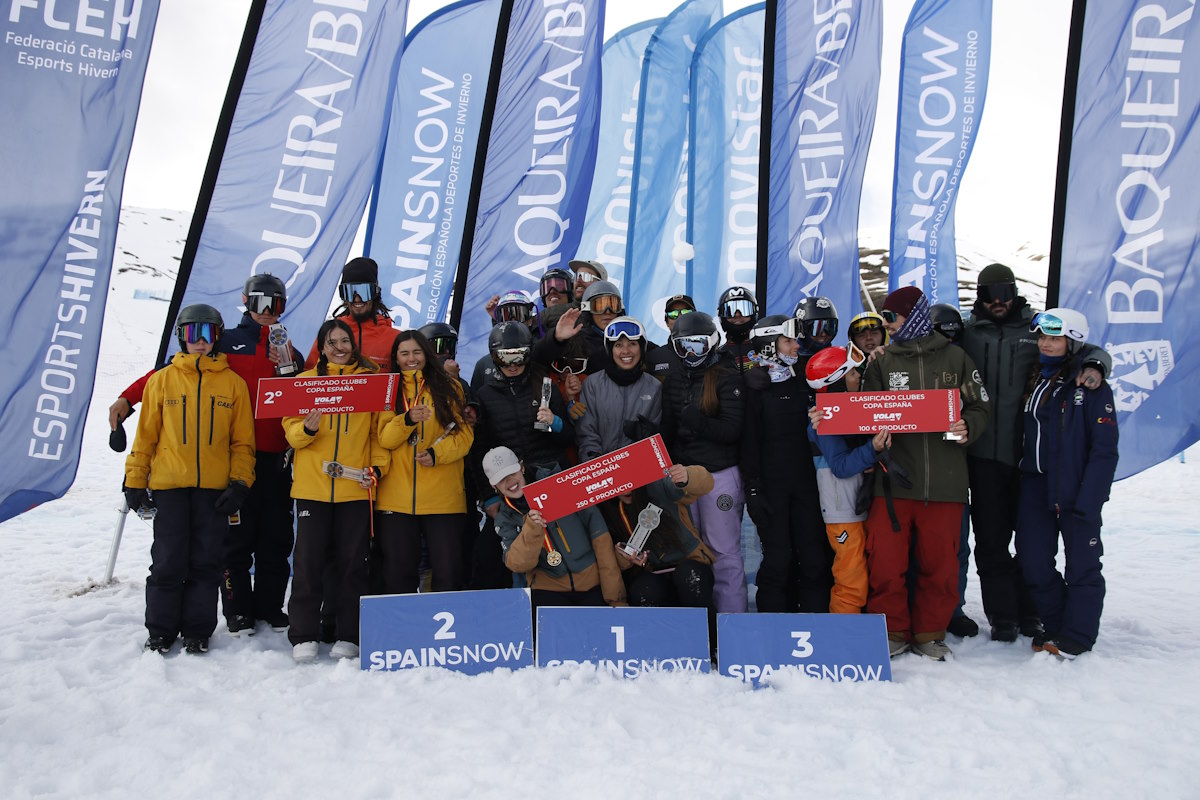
(781, 480)
(1067, 469)
(703, 408)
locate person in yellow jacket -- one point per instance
(194, 452)
(423, 494)
(333, 514)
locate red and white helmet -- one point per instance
(829, 365)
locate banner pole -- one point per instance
(209, 182)
(1065, 132)
(764, 151)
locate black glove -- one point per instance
(640, 428)
(756, 505)
(137, 498)
(230, 500)
(893, 469)
(116, 439)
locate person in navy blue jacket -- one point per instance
(1067, 468)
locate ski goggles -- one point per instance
(605, 304)
(785, 328)
(444, 345)
(193, 332)
(555, 283)
(259, 303)
(694, 347)
(864, 325)
(676, 313)
(511, 356)
(1047, 323)
(812, 328)
(734, 308)
(625, 326)
(514, 312)
(357, 292)
(998, 292)
(570, 366)
(586, 277)
(889, 316)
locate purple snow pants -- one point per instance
(718, 517)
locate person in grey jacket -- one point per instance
(1000, 342)
(623, 402)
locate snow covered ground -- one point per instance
(84, 712)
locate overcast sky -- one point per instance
(1007, 192)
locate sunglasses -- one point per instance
(511, 356)
(888, 316)
(514, 312)
(444, 346)
(586, 277)
(605, 304)
(733, 308)
(676, 313)
(357, 292)
(570, 366)
(258, 303)
(629, 328)
(199, 331)
(998, 292)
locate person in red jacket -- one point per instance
(363, 310)
(261, 534)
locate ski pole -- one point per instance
(122, 513)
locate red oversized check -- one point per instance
(335, 394)
(600, 479)
(930, 411)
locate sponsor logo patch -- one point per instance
(725, 502)
(898, 381)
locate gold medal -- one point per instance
(554, 558)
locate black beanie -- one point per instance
(996, 273)
(361, 270)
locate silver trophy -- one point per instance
(278, 336)
(335, 470)
(647, 521)
(547, 387)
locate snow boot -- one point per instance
(936, 650)
(195, 646)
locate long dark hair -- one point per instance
(327, 327)
(443, 388)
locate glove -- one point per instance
(230, 500)
(137, 498)
(117, 440)
(756, 505)
(893, 469)
(640, 428)
(577, 410)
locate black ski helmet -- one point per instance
(560, 274)
(506, 339)
(695, 339)
(442, 338)
(264, 293)
(198, 312)
(817, 316)
(734, 299)
(947, 321)
(765, 335)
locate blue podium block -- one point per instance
(624, 641)
(835, 647)
(469, 632)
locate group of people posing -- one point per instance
(429, 495)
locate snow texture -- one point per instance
(84, 712)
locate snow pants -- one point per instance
(718, 517)
(931, 530)
(399, 539)
(263, 537)
(185, 564)
(850, 583)
(995, 497)
(795, 571)
(1070, 605)
(325, 531)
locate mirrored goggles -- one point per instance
(854, 356)
(998, 292)
(259, 303)
(819, 328)
(863, 325)
(629, 328)
(605, 304)
(733, 308)
(356, 292)
(1047, 323)
(511, 356)
(570, 366)
(586, 277)
(196, 331)
(676, 313)
(693, 346)
(555, 283)
(514, 312)
(444, 345)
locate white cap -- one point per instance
(499, 463)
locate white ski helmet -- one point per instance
(1062, 322)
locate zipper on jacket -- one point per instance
(337, 430)
(199, 395)
(212, 414)
(183, 425)
(414, 481)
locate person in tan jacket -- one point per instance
(333, 514)
(567, 562)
